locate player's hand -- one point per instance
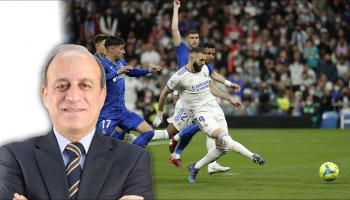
(236, 103)
(234, 86)
(124, 69)
(177, 4)
(159, 119)
(155, 69)
(17, 196)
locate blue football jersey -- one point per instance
(115, 84)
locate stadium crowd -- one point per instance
(290, 57)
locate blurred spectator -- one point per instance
(283, 103)
(311, 55)
(343, 67)
(150, 57)
(296, 71)
(328, 68)
(108, 23)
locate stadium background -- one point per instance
(291, 58)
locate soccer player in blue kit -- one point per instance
(115, 119)
(99, 43)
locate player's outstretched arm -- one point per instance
(137, 72)
(218, 93)
(175, 24)
(219, 78)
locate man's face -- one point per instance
(100, 47)
(73, 96)
(193, 40)
(209, 55)
(198, 61)
(118, 51)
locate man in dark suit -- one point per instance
(72, 161)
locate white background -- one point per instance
(29, 30)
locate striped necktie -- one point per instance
(73, 168)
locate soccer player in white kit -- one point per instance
(193, 84)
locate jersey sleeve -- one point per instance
(136, 72)
(110, 74)
(123, 63)
(210, 68)
(173, 81)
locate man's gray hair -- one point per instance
(70, 47)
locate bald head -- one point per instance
(71, 50)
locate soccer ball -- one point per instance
(329, 171)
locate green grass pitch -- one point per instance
(293, 157)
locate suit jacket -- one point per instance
(112, 169)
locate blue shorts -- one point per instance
(127, 121)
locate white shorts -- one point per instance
(211, 117)
(180, 118)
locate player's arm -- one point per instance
(110, 74)
(175, 24)
(175, 96)
(137, 72)
(218, 93)
(219, 78)
(159, 117)
(166, 90)
(171, 85)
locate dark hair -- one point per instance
(114, 40)
(99, 38)
(208, 45)
(192, 31)
(70, 47)
(196, 50)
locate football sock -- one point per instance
(235, 146)
(210, 145)
(118, 135)
(160, 135)
(189, 131)
(211, 156)
(144, 138)
(186, 136)
(176, 137)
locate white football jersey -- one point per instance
(193, 88)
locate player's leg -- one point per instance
(119, 133)
(180, 121)
(216, 127)
(133, 121)
(184, 137)
(184, 140)
(224, 138)
(106, 126)
(146, 134)
(214, 167)
(208, 121)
